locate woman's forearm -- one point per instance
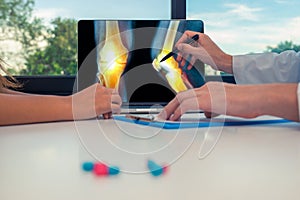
(8, 91)
(20, 109)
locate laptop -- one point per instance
(126, 54)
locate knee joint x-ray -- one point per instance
(127, 56)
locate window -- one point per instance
(29, 27)
(241, 27)
(39, 37)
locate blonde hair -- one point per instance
(9, 81)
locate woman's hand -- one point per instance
(30, 108)
(94, 101)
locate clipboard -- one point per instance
(198, 124)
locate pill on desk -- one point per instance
(155, 169)
(165, 169)
(100, 169)
(88, 166)
(113, 170)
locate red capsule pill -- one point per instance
(100, 169)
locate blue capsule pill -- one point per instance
(88, 166)
(113, 170)
(155, 169)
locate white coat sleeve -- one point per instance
(267, 68)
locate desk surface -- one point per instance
(43, 161)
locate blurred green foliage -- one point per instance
(47, 49)
(59, 56)
(283, 46)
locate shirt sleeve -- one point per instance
(267, 68)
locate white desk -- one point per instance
(43, 161)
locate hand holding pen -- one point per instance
(205, 50)
(189, 41)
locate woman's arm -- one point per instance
(21, 109)
(89, 103)
(8, 91)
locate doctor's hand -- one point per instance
(94, 101)
(217, 98)
(204, 50)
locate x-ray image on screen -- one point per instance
(127, 56)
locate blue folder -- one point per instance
(200, 124)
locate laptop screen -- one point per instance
(126, 54)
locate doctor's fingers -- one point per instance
(181, 96)
(187, 35)
(210, 114)
(182, 40)
(192, 62)
(187, 51)
(200, 53)
(186, 105)
(168, 109)
(183, 60)
(196, 99)
(175, 103)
